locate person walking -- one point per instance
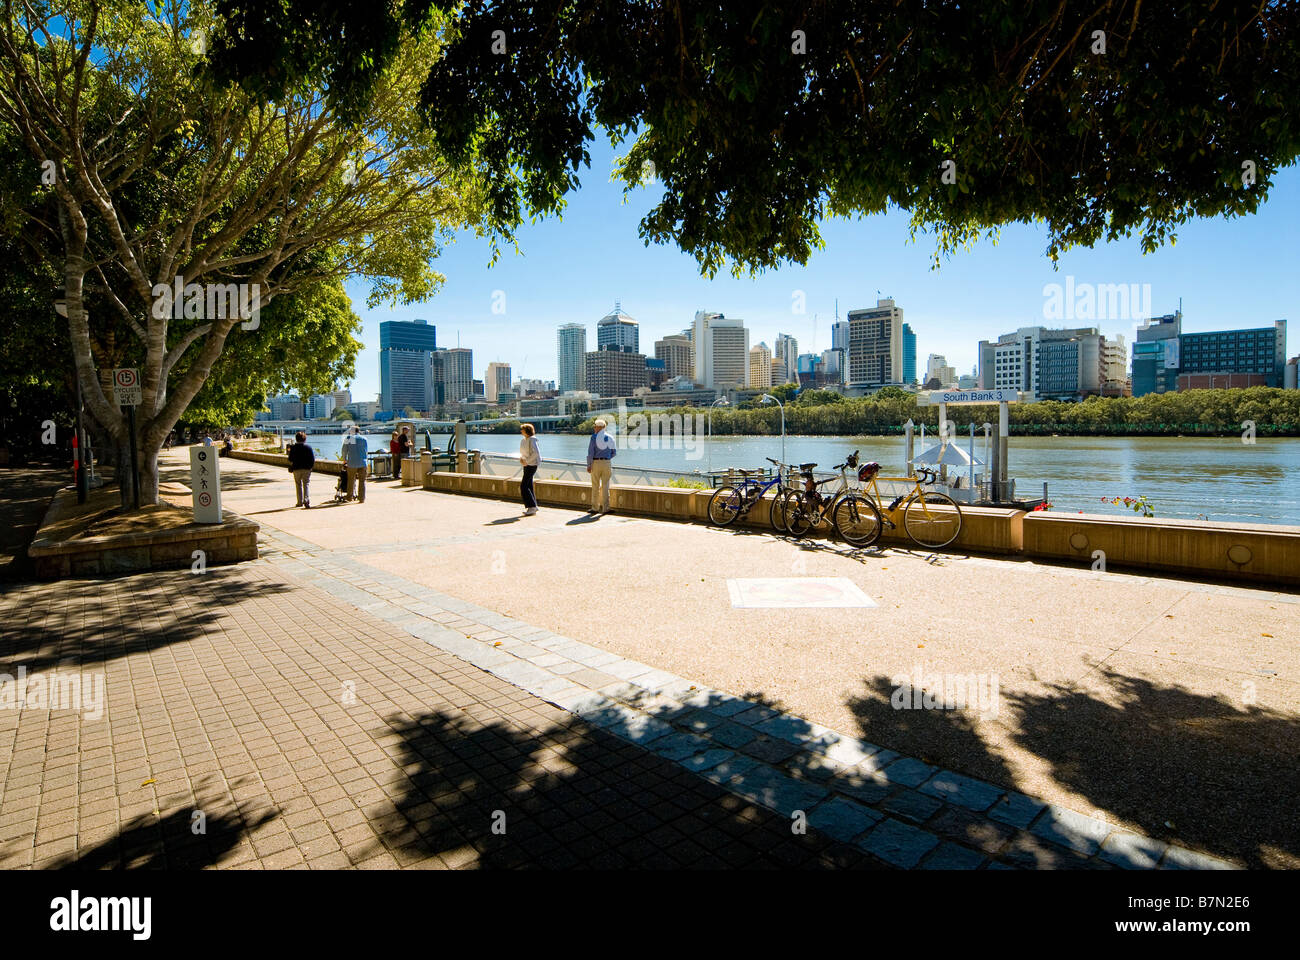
(600, 451)
(354, 461)
(530, 457)
(301, 459)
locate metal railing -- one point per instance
(505, 465)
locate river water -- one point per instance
(1214, 478)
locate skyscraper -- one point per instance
(784, 359)
(571, 349)
(455, 368)
(760, 367)
(615, 373)
(678, 355)
(405, 374)
(876, 345)
(496, 380)
(721, 350)
(619, 331)
(1155, 355)
(909, 354)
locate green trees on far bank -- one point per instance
(1273, 412)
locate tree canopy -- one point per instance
(757, 121)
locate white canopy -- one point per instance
(947, 454)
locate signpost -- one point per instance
(998, 466)
(205, 484)
(126, 393)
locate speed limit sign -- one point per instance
(126, 386)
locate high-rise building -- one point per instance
(784, 359)
(937, 369)
(525, 386)
(453, 375)
(342, 398)
(405, 374)
(619, 331)
(497, 379)
(721, 350)
(287, 406)
(1291, 376)
(319, 406)
(571, 349)
(876, 345)
(614, 373)
(760, 367)
(1155, 355)
(1114, 366)
(1044, 363)
(1258, 353)
(834, 366)
(840, 335)
(909, 354)
(678, 355)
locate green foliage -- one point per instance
(303, 344)
(1275, 412)
(758, 121)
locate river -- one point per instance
(1214, 478)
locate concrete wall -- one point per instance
(334, 467)
(1260, 553)
(1265, 553)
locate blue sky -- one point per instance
(1229, 274)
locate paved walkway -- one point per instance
(326, 618)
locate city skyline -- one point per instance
(975, 295)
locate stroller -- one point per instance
(341, 488)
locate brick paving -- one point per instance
(298, 731)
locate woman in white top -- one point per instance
(529, 457)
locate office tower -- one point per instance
(1233, 358)
(286, 406)
(1114, 366)
(496, 380)
(571, 349)
(342, 398)
(784, 358)
(721, 350)
(618, 331)
(1043, 362)
(1155, 355)
(453, 375)
(937, 370)
(678, 355)
(614, 373)
(876, 345)
(840, 335)
(319, 406)
(405, 374)
(909, 354)
(833, 366)
(760, 367)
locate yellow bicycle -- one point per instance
(931, 519)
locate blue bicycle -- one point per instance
(733, 501)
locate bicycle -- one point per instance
(731, 502)
(854, 517)
(930, 519)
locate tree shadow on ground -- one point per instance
(148, 842)
(1224, 776)
(25, 496)
(161, 608)
(568, 795)
(1143, 753)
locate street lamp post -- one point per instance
(721, 401)
(767, 397)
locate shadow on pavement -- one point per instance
(1147, 754)
(567, 796)
(171, 843)
(170, 607)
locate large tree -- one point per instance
(759, 120)
(157, 178)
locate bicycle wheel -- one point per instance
(798, 518)
(780, 512)
(857, 520)
(932, 519)
(725, 504)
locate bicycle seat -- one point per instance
(805, 467)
